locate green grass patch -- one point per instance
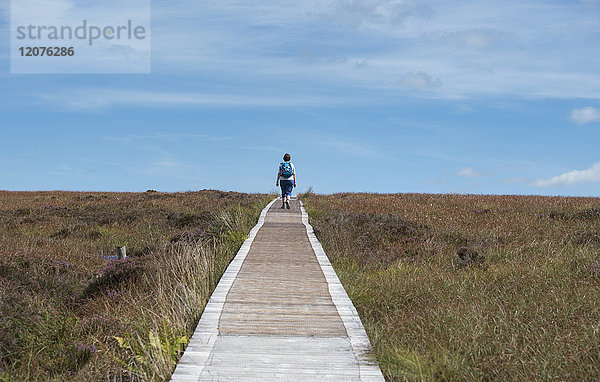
(65, 302)
(468, 287)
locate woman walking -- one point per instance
(286, 176)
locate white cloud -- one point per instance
(591, 174)
(585, 115)
(377, 14)
(229, 39)
(593, 3)
(94, 99)
(169, 168)
(469, 172)
(339, 144)
(419, 81)
(463, 108)
(350, 148)
(477, 38)
(135, 138)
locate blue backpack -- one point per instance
(286, 170)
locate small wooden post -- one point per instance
(122, 252)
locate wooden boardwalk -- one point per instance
(279, 313)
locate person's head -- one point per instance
(287, 157)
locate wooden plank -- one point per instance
(282, 313)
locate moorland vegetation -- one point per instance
(470, 287)
(70, 310)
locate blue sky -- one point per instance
(367, 95)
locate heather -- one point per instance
(470, 287)
(70, 310)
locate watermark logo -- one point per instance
(83, 36)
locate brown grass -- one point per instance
(70, 312)
(467, 287)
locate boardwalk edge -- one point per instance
(369, 369)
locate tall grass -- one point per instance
(467, 287)
(181, 282)
(68, 311)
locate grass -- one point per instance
(467, 287)
(69, 311)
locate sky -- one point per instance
(481, 97)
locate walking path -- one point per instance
(279, 312)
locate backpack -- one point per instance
(286, 170)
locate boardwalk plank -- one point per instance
(279, 313)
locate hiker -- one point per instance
(287, 175)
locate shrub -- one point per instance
(114, 274)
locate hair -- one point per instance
(287, 157)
